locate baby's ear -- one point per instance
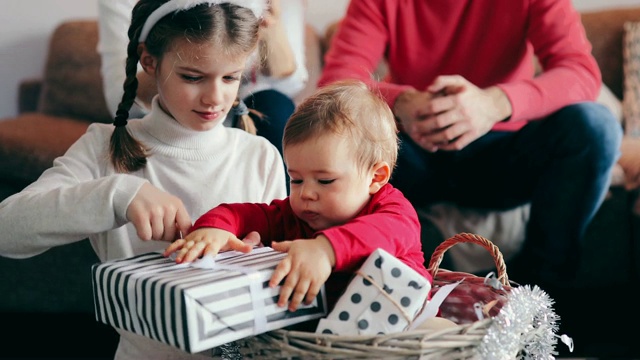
(381, 173)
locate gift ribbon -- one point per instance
(432, 307)
(207, 262)
(393, 301)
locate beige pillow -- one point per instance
(631, 71)
(72, 85)
(609, 99)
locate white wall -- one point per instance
(25, 27)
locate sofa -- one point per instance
(43, 293)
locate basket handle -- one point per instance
(438, 253)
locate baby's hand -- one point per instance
(306, 268)
(209, 241)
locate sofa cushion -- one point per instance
(30, 142)
(72, 85)
(604, 30)
(631, 70)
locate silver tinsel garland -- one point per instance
(525, 328)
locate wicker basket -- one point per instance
(456, 342)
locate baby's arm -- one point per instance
(307, 267)
(209, 241)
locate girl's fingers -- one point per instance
(143, 229)
(183, 220)
(169, 233)
(157, 227)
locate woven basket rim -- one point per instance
(459, 341)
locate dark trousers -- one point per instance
(560, 164)
(276, 108)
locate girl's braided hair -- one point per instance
(233, 28)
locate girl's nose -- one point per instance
(212, 94)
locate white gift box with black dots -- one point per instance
(384, 297)
(193, 307)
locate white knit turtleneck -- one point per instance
(82, 196)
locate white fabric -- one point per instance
(81, 196)
(607, 98)
(505, 229)
(114, 18)
(256, 6)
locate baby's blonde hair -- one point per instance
(351, 109)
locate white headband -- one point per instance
(256, 6)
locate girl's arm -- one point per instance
(70, 201)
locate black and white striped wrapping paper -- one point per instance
(191, 308)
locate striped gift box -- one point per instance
(194, 308)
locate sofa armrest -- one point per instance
(28, 95)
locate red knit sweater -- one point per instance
(489, 42)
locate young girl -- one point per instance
(275, 73)
(340, 147)
(145, 179)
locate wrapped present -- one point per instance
(195, 308)
(384, 297)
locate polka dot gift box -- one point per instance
(384, 297)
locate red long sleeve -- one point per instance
(388, 221)
(487, 45)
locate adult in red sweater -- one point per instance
(479, 129)
(340, 147)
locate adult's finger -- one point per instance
(447, 84)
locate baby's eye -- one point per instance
(191, 78)
(326, 182)
(292, 181)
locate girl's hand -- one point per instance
(209, 241)
(158, 215)
(306, 268)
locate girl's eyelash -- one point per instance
(191, 78)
